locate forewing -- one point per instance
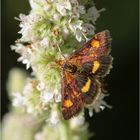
(72, 101)
(98, 46)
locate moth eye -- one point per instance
(69, 67)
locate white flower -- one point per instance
(77, 121)
(74, 25)
(79, 35)
(63, 6)
(77, 10)
(27, 26)
(98, 105)
(54, 118)
(41, 86)
(18, 100)
(88, 29)
(18, 48)
(24, 61)
(61, 9)
(81, 9)
(93, 14)
(77, 29)
(46, 96)
(44, 42)
(25, 51)
(67, 4)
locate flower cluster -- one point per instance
(52, 28)
(51, 25)
(29, 113)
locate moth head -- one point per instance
(69, 67)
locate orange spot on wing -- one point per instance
(68, 103)
(86, 87)
(95, 43)
(96, 66)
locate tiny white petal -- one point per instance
(102, 107)
(90, 112)
(28, 65)
(20, 59)
(25, 61)
(45, 42)
(46, 96)
(79, 35)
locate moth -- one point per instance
(82, 73)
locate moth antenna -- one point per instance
(61, 52)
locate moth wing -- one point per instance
(98, 46)
(99, 67)
(72, 101)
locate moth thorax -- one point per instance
(70, 67)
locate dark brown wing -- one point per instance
(94, 57)
(98, 46)
(72, 101)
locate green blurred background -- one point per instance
(121, 18)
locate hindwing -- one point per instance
(72, 101)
